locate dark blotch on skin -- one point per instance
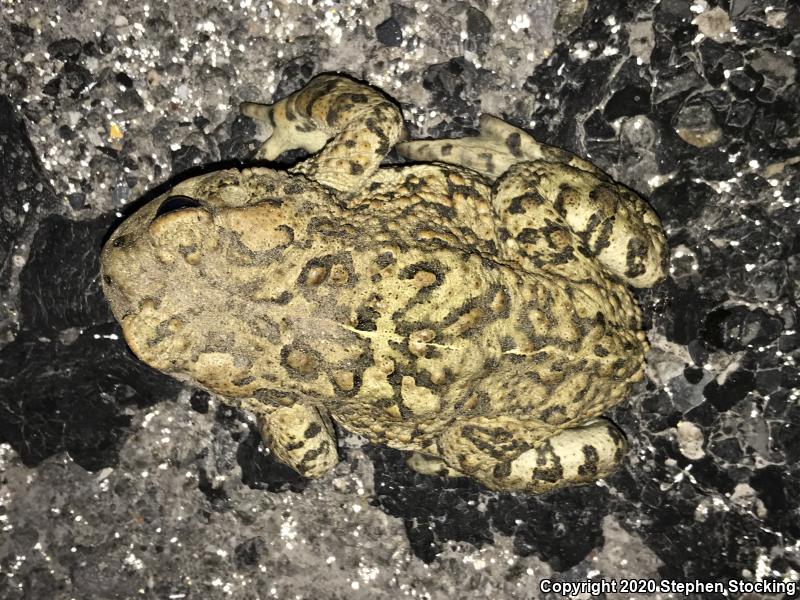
(591, 458)
(552, 474)
(313, 454)
(290, 114)
(358, 98)
(410, 271)
(385, 259)
(566, 195)
(604, 239)
(513, 144)
(292, 188)
(637, 249)
(507, 343)
(517, 204)
(366, 318)
(554, 415)
(502, 470)
(488, 159)
(313, 430)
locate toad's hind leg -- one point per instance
(538, 200)
(503, 455)
(353, 125)
(301, 437)
(544, 195)
(497, 147)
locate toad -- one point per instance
(472, 307)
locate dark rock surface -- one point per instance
(117, 483)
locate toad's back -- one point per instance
(395, 332)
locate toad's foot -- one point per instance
(571, 457)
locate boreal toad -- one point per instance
(472, 307)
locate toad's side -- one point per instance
(476, 312)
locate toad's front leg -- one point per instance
(353, 125)
(301, 437)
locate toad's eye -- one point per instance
(174, 203)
